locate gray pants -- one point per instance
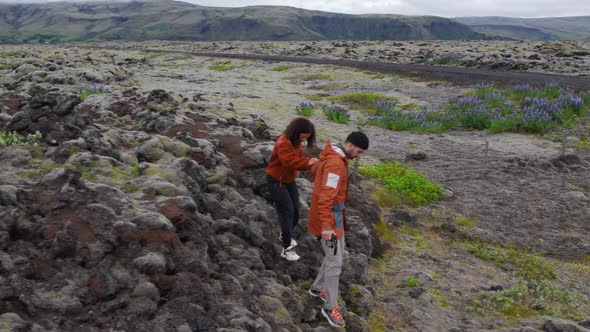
(328, 276)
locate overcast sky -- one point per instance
(446, 8)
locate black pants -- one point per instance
(286, 199)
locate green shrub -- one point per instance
(13, 138)
(529, 298)
(413, 186)
(336, 114)
(305, 109)
(413, 282)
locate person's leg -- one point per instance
(294, 195)
(332, 266)
(284, 207)
(318, 284)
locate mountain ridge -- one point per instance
(173, 20)
(545, 28)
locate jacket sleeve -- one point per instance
(289, 156)
(329, 187)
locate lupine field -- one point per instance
(521, 108)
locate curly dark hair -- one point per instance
(298, 126)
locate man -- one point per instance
(327, 218)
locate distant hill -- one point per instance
(173, 20)
(548, 28)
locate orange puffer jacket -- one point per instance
(286, 160)
(329, 192)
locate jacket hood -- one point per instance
(332, 151)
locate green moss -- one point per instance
(280, 68)
(74, 149)
(583, 143)
(376, 321)
(526, 264)
(440, 298)
(35, 151)
(317, 96)
(306, 77)
(387, 198)
(38, 170)
(465, 222)
(411, 107)
(354, 290)
(134, 170)
(330, 86)
(130, 188)
(384, 229)
(222, 66)
(163, 173)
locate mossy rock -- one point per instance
(151, 151)
(275, 308)
(177, 148)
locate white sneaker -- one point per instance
(290, 254)
(293, 242)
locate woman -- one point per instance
(285, 161)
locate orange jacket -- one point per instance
(286, 160)
(329, 192)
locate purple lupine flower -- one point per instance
(523, 88)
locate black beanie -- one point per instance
(358, 139)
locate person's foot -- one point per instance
(293, 242)
(290, 254)
(321, 294)
(333, 316)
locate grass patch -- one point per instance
(5, 66)
(413, 187)
(360, 100)
(222, 66)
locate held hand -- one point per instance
(312, 161)
(327, 234)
